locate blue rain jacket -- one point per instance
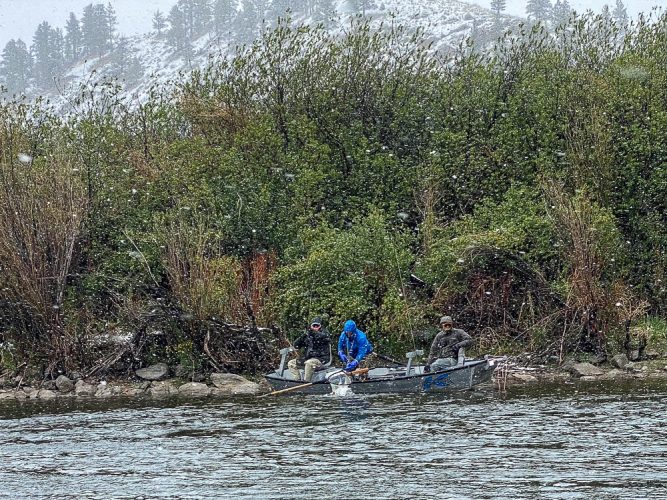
(357, 347)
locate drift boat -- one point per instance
(380, 380)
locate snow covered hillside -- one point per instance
(145, 60)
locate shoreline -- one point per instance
(226, 385)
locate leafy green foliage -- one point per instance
(525, 186)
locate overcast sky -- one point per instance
(19, 18)
(518, 7)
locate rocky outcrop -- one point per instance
(163, 388)
(619, 361)
(228, 384)
(64, 384)
(585, 370)
(194, 390)
(159, 371)
(81, 388)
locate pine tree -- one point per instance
(620, 13)
(561, 12)
(73, 38)
(498, 6)
(538, 10)
(16, 66)
(177, 35)
(362, 6)
(249, 20)
(95, 29)
(123, 63)
(223, 15)
(203, 12)
(159, 22)
(48, 52)
(111, 23)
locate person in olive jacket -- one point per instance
(447, 346)
(315, 351)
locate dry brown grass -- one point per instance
(42, 207)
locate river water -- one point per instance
(567, 441)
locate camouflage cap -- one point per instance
(446, 319)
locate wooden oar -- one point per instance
(358, 371)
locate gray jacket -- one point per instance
(447, 344)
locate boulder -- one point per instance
(159, 371)
(64, 384)
(107, 391)
(132, 391)
(163, 388)
(523, 377)
(45, 394)
(231, 384)
(634, 355)
(30, 393)
(6, 395)
(619, 361)
(585, 370)
(49, 384)
(613, 374)
(194, 390)
(81, 388)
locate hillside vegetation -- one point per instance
(521, 191)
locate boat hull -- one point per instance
(394, 380)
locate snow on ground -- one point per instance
(446, 24)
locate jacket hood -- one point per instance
(350, 326)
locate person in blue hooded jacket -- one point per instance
(353, 346)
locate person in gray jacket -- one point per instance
(447, 347)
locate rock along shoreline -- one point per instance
(155, 381)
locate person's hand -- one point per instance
(342, 356)
(427, 368)
(352, 365)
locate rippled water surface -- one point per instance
(557, 442)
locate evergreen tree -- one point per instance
(362, 6)
(223, 15)
(203, 12)
(620, 13)
(95, 30)
(561, 12)
(124, 63)
(498, 6)
(177, 35)
(16, 66)
(111, 23)
(249, 19)
(538, 10)
(48, 52)
(73, 38)
(159, 22)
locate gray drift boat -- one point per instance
(406, 378)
